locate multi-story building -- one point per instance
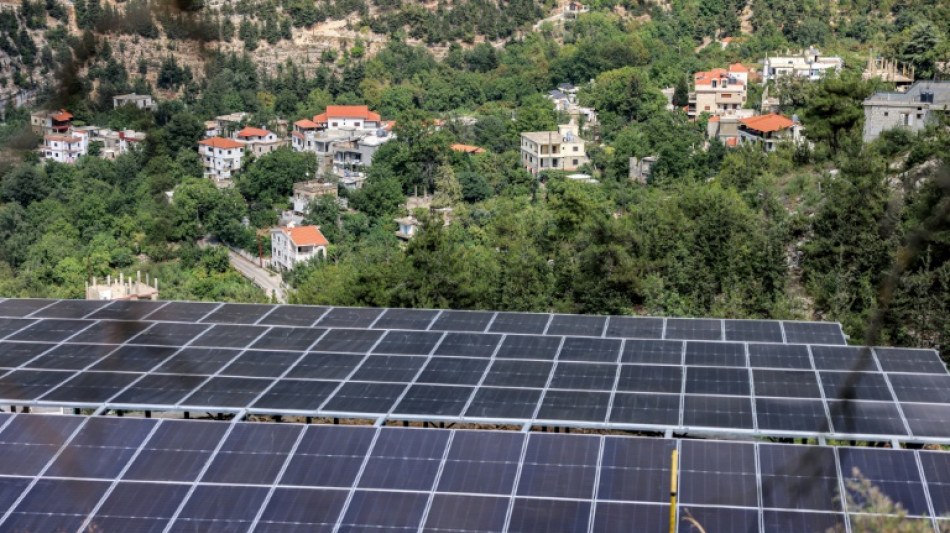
(923, 102)
(230, 123)
(259, 141)
(141, 101)
(50, 122)
(66, 148)
(292, 245)
(769, 131)
(553, 150)
(809, 64)
(726, 127)
(221, 158)
(719, 91)
(344, 138)
(306, 192)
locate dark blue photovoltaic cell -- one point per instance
(70, 309)
(236, 505)
(159, 389)
(52, 330)
(462, 321)
(733, 412)
(856, 386)
(141, 500)
(592, 350)
(909, 360)
(724, 519)
(389, 368)
(349, 317)
(690, 329)
(91, 387)
(653, 409)
(132, 358)
(867, 418)
(364, 398)
(183, 311)
(170, 334)
(893, 472)
(261, 364)
(586, 325)
(788, 356)
(296, 395)
(228, 336)
(467, 513)
(238, 314)
(305, 509)
(519, 323)
(453, 371)
(529, 347)
(408, 342)
(799, 477)
(574, 405)
(325, 366)
(565, 516)
(348, 340)
(715, 354)
(371, 510)
(927, 419)
(227, 392)
(288, 339)
(293, 315)
(499, 403)
(635, 327)
(434, 400)
(936, 466)
(643, 378)
(406, 319)
(921, 388)
(635, 469)
(653, 352)
(711, 380)
(795, 522)
(110, 332)
(62, 357)
(786, 414)
(786, 383)
(468, 345)
(482, 462)
(851, 358)
(11, 325)
(706, 467)
(14, 354)
(753, 330)
(583, 376)
(20, 307)
(618, 517)
(813, 333)
(198, 361)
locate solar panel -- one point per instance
(383, 364)
(813, 333)
(140, 474)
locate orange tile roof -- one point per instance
(297, 134)
(706, 77)
(221, 142)
(306, 236)
(738, 67)
(727, 40)
(732, 141)
(306, 124)
(347, 111)
(767, 123)
(468, 148)
(62, 116)
(714, 118)
(253, 132)
(388, 125)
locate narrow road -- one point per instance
(261, 277)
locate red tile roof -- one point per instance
(467, 148)
(297, 134)
(738, 67)
(306, 236)
(346, 111)
(732, 141)
(767, 123)
(62, 116)
(253, 132)
(306, 124)
(221, 142)
(706, 77)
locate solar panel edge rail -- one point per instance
(346, 369)
(104, 474)
(605, 326)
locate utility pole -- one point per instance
(260, 251)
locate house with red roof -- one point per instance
(718, 91)
(296, 244)
(357, 117)
(769, 130)
(51, 122)
(221, 158)
(258, 141)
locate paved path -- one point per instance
(263, 278)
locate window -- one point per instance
(886, 113)
(575, 163)
(707, 108)
(357, 124)
(904, 119)
(575, 148)
(919, 116)
(727, 95)
(333, 124)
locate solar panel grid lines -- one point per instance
(120, 475)
(359, 475)
(931, 508)
(890, 388)
(435, 482)
(821, 390)
(280, 475)
(204, 469)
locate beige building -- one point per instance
(221, 158)
(306, 192)
(719, 91)
(259, 141)
(923, 103)
(553, 150)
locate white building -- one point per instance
(293, 245)
(357, 117)
(141, 101)
(220, 158)
(259, 141)
(408, 226)
(553, 150)
(769, 131)
(66, 148)
(344, 138)
(809, 64)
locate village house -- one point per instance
(719, 91)
(888, 72)
(50, 122)
(141, 101)
(553, 150)
(305, 192)
(769, 130)
(220, 158)
(228, 124)
(573, 9)
(912, 110)
(726, 127)
(65, 148)
(808, 64)
(344, 138)
(259, 141)
(296, 244)
(408, 227)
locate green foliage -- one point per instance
(834, 113)
(269, 179)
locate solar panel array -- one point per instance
(104, 474)
(682, 375)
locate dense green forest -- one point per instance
(840, 231)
